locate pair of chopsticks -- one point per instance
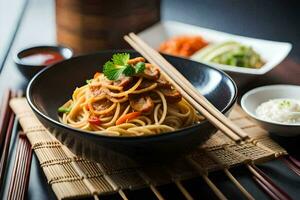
(20, 175)
(7, 122)
(292, 163)
(21, 171)
(187, 90)
(267, 184)
(4, 118)
(203, 106)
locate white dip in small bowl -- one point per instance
(286, 111)
(276, 108)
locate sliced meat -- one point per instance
(123, 82)
(141, 103)
(96, 90)
(171, 95)
(101, 104)
(162, 83)
(136, 60)
(145, 83)
(151, 72)
(131, 83)
(154, 96)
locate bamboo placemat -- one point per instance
(73, 177)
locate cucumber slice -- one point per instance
(209, 52)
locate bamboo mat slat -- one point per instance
(73, 177)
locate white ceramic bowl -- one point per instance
(252, 99)
(272, 52)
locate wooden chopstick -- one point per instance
(20, 148)
(8, 133)
(268, 183)
(265, 188)
(290, 164)
(21, 171)
(198, 106)
(271, 182)
(23, 184)
(295, 161)
(4, 117)
(187, 86)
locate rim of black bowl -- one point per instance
(17, 59)
(108, 137)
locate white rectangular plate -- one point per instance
(271, 52)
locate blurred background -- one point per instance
(274, 20)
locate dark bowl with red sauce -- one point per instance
(31, 60)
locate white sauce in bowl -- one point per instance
(285, 111)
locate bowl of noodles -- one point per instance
(114, 104)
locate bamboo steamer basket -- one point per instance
(93, 25)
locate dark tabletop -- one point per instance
(274, 20)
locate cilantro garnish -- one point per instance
(118, 66)
(285, 104)
(140, 67)
(120, 58)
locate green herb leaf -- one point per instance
(121, 58)
(111, 71)
(118, 66)
(64, 110)
(140, 67)
(128, 70)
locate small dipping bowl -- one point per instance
(254, 98)
(31, 60)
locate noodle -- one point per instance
(130, 106)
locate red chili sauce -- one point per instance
(42, 58)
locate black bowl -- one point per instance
(53, 86)
(29, 70)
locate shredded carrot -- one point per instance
(127, 117)
(94, 120)
(87, 107)
(184, 46)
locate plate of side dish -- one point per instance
(241, 57)
(275, 107)
(115, 103)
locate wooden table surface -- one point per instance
(38, 27)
